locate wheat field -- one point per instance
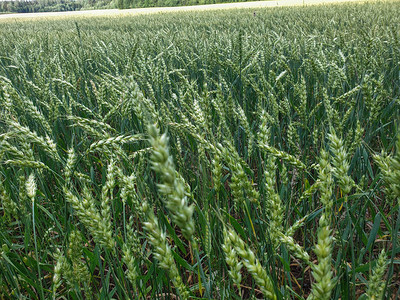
(202, 155)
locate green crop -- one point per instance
(205, 155)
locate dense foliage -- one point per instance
(218, 155)
(160, 3)
(39, 6)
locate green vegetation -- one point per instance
(218, 155)
(41, 6)
(160, 3)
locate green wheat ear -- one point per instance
(252, 265)
(322, 272)
(131, 250)
(340, 163)
(172, 187)
(376, 284)
(162, 251)
(87, 212)
(71, 267)
(390, 168)
(9, 206)
(232, 260)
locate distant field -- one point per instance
(152, 10)
(224, 154)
